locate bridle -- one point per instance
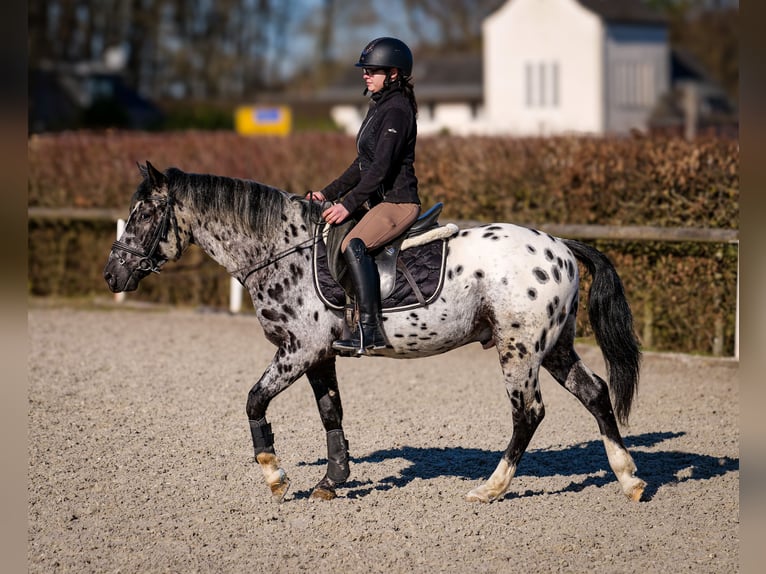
(147, 262)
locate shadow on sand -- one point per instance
(657, 467)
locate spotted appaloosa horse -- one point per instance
(506, 286)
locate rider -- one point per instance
(382, 177)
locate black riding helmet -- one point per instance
(387, 53)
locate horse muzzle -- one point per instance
(119, 278)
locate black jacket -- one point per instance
(383, 169)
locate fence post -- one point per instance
(120, 297)
(736, 317)
(235, 296)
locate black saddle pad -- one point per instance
(425, 263)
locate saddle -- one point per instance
(393, 262)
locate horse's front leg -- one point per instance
(278, 376)
(324, 382)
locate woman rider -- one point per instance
(382, 177)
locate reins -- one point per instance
(310, 242)
(281, 255)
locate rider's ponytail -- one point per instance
(409, 91)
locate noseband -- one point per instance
(147, 261)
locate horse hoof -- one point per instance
(279, 489)
(478, 495)
(323, 494)
(636, 491)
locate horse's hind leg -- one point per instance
(567, 368)
(521, 381)
(324, 382)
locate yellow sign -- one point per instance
(263, 120)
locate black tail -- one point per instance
(612, 323)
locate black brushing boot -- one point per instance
(364, 275)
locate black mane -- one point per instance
(241, 203)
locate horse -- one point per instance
(506, 286)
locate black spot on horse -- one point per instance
(543, 339)
(275, 316)
(541, 275)
(570, 269)
(296, 271)
(288, 310)
(531, 249)
(316, 316)
(479, 274)
(449, 275)
(556, 274)
(458, 270)
(532, 293)
(276, 293)
(548, 254)
(464, 233)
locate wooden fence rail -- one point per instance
(622, 232)
(602, 232)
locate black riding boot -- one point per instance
(364, 275)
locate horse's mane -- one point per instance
(242, 203)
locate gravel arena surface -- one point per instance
(140, 459)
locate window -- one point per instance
(633, 84)
(542, 85)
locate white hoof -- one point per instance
(634, 489)
(480, 494)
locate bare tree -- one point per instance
(454, 25)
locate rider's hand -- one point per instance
(335, 214)
(315, 196)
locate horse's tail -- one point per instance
(612, 323)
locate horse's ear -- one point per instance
(142, 170)
(156, 177)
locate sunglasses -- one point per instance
(373, 71)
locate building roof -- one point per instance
(625, 11)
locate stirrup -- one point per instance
(354, 344)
